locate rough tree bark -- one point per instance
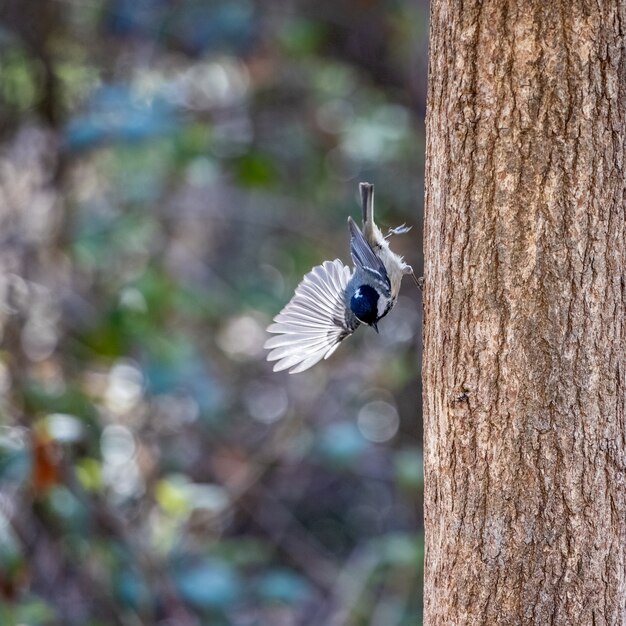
(525, 318)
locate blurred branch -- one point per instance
(349, 586)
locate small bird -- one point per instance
(332, 301)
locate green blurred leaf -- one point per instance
(403, 549)
(28, 612)
(243, 551)
(409, 468)
(173, 498)
(71, 401)
(302, 37)
(21, 76)
(255, 169)
(89, 473)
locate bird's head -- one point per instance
(364, 303)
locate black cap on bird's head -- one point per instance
(364, 305)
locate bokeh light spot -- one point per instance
(378, 421)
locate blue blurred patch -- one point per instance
(215, 26)
(117, 114)
(131, 589)
(132, 18)
(283, 586)
(341, 444)
(187, 374)
(15, 460)
(210, 585)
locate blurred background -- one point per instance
(169, 169)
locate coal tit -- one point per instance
(332, 301)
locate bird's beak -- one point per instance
(375, 326)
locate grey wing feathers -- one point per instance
(313, 323)
(363, 255)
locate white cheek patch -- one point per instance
(382, 306)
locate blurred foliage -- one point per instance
(168, 172)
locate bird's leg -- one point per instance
(398, 230)
(407, 269)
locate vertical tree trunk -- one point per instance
(525, 318)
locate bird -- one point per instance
(332, 300)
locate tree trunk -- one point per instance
(525, 320)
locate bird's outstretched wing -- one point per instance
(314, 322)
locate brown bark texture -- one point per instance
(525, 320)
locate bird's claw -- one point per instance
(418, 281)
